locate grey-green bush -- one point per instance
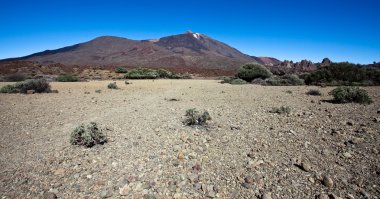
(251, 71)
(8, 89)
(67, 78)
(38, 85)
(121, 70)
(281, 110)
(194, 117)
(233, 80)
(347, 94)
(112, 86)
(87, 135)
(285, 80)
(314, 92)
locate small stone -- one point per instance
(176, 148)
(347, 155)
(249, 179)
(323, 196)
(172, 188)
(181, 156)
(306, 167)
(59, 172)
(311, 180)
(49, 195)
(350, 123)
(211, 194)
(106, 194)
(149, 196)
(267, 196)
(365, 194)
(125, 190)
(333, 196)
(328, 182)
(350, 196)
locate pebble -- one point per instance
(323, 196)
(106, 194)
(125, 190)
(249, 179)
(328, 182)
(306, 167)
(267, 196)
(49, 195)
(347, 155)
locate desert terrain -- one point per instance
(319, 150)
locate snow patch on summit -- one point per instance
(196, 35)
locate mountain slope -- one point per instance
(184, 50)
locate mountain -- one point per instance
(187, 50)
(268, 61)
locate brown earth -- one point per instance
(244, 152)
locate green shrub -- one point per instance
(87, 136)
(346, 94)
(38, 85)
(14, 77)
(8, 89)
(194, 117)
(314, 92)
(233, 80)
(98, 91)
(121, 70)
(67, 78)
(251, 71)
(112, 86)
(344, 74)
(145, 73)
(281, 110)
(286, 80)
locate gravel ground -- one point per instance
(319, 150)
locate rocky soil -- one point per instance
(319, 150)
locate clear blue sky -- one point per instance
(343, 30)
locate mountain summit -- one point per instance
(183, 50)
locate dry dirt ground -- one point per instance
(320, 150)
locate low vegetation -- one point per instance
(87, 135)
(233, 80)
(345, 74)
(251, 71)
(17, 77)
(281, 110)
(314, 92)
(121, 70)
(37, 85)
(285, 80)
(67, 78)
(112, 86)
(347, 94)
(194, 117)
(145, 73)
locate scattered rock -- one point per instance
(249, 179)
(49, 195)
(106, 194)
(347, 155)
(125, 190)
(328, 182)
(266, 196)
(323, 196)
(305, 166)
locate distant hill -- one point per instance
(187, 50)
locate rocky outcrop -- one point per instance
(326, 62)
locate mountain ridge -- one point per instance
(182, 50)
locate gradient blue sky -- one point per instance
(343, 30)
